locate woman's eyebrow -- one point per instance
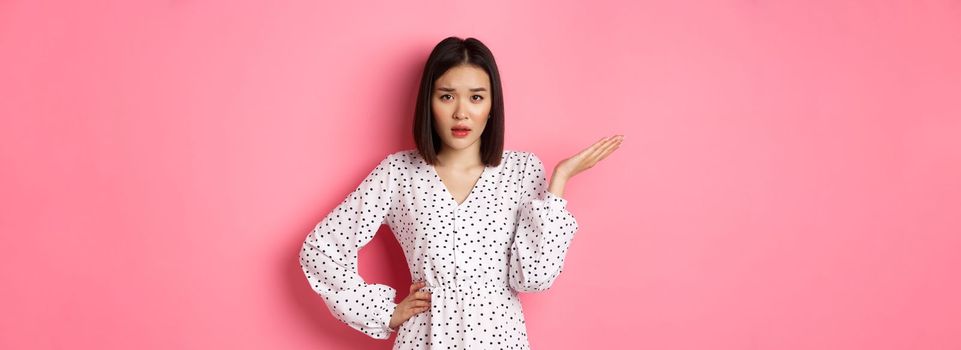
(452, 89)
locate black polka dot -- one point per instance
(509, 235)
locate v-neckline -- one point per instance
(450, 195)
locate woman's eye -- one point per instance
(481, 97)
(442, 96)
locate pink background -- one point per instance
(790, 176)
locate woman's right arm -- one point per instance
(329, 254)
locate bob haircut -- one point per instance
(449, 53)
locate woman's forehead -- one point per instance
(463, 78)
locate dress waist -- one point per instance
(467, 288)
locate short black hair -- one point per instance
(449, 53)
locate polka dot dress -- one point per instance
(509, 235)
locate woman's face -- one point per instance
(461, 101)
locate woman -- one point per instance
(477, 223)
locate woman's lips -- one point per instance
(458, 132)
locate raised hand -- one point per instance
(588, 157)
(415, 303)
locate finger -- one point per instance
(419, 303)
(611, 144)
(591, 157)
(417, 310)
(596, 156)
(590, 151)
(594, 146)
(618, 145)
(616, 139)
(608, 149)
(422, 295)
(419, 296)
(417, 285)
(610, 140)
(603, 142)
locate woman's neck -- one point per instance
(460, 158)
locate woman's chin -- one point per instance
(460, 144)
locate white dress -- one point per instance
(510, 235)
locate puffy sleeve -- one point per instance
(544, 230)
(329, 255)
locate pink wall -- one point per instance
(790, 177)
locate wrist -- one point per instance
(560, 176)
(557, 186)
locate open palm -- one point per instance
(588, 157)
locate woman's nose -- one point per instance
(461, 111)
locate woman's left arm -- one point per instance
(545, 227)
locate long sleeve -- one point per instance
(329, 255)
(542, 235)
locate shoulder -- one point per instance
(392, 165)
(521, 157)
(405, 159)
(524, 160)
(513, 153)
(400, 155)
(392, 161)
(404, 156)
